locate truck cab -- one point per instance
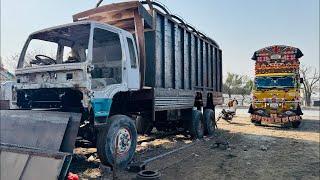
(79, 68)
(83, 59)
(276, 93)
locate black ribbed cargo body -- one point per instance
(179, 66)
(180, 63)
(180, 59)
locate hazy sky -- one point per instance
(239, 26)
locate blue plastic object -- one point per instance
(101, 107)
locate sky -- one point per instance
(239, 26)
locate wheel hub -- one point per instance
(123, 141)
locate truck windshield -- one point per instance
(57, 46)
(274, 82)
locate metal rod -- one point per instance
(167, 153)
(114, 174)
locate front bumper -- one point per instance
(275, 119)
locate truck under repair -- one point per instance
(118, 70)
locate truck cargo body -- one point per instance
(178, 61)
(124, 70)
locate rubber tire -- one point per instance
(144, 124)
(256, 123)
(106, 138)
(296, 124)
(196, 125)
(209, 122)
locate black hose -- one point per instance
(158, 5)
(99, 2)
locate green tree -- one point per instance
(245, 88)
(233, 82)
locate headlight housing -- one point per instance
(290, 113)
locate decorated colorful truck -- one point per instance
(276, 92)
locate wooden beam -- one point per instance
(105, 8)
(113, 16)
(125, 24)
(139, 31)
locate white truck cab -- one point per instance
(97, 59)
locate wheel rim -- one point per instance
(123, 141)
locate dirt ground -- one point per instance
(254, 152)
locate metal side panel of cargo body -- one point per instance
(168, 99)
(29, 164)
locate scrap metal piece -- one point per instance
(29, 164)
(148, 175)
(37, 129)
(32, 141)
(141, 165)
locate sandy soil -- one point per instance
(254, 152)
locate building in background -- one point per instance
(5, 75)
(6, 86)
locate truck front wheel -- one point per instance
(118, 140)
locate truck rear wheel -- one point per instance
(144, 124)
(296, 124)
(196, 125)
(255, 122)
(209, 121)
(120, 135)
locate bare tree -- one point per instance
(10, 62)
(310, 82)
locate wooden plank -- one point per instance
(110, 16)
(193, 62)
(105, 8)
(186, 60)
(114, 12)
(209, 66)
(204, 65)
(159, 56)
(199, 62)
(168, 53)
(127, 25)
(139, 28)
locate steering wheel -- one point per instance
(46, 60)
